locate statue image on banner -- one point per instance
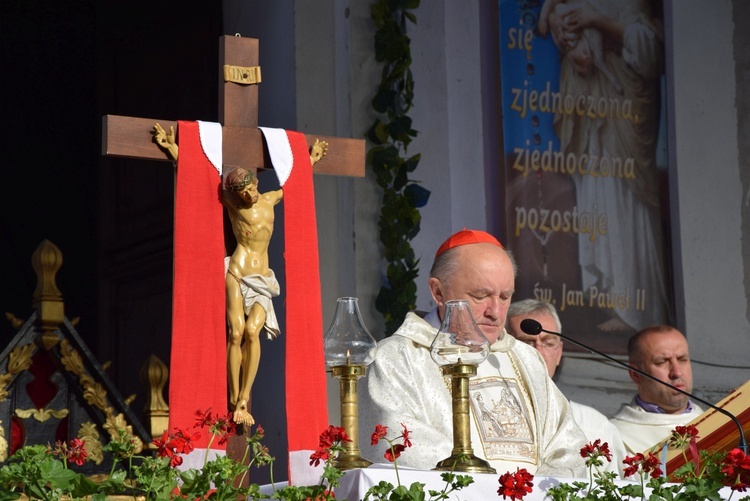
(582, 106)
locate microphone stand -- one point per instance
(534, 328)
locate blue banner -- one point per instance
(585, 169)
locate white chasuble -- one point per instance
(502, 415)
(519, 417)
(641, 430)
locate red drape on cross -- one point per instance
(198, 360)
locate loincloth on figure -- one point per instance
(260, 289)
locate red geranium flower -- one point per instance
(736, 467)
(687, 436)
(182, 442)
(161, 444)
(405, 436)
(515, 485)
(394, 451)
(203, 418)
(164, 448)
(595, 450)
(77, 451)
(171, 445)
(689, 430)
(333, 435)
(222, 427)
(647, 464)
(380, 432)
(319, 455)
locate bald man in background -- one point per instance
(662, 352)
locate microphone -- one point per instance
(534, 328)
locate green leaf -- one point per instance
(80, 486)
(9, 496)
(378, 132)
(411, 163)
(389, 44)
(57, 475)
(384, 100)
(417, 195)
(400, 128)
(380, 12)
(400, 180)
(115, 482)
(385, 157)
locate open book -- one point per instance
(716, 432)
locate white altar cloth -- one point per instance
(355, 483)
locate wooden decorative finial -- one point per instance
(47, 302)
(154, 375)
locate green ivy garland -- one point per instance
(390, 136)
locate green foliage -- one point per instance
(685, 484)
(390, 135)
(38, 474)
(385, 491)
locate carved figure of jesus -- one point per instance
(250, 284)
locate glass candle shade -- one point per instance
(347, 341)
(459, 340)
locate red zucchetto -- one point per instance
(465, 237)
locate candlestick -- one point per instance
(462, 457)
(459, 347)
(348, 376)
(349, 348)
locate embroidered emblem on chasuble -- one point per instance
(502, 417)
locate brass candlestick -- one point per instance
(348, 375)
(462, 457)
(349, 349)
(459, 347)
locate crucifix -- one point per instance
(242, 141)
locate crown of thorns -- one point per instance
(238, 179)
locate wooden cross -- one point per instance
(242, 143)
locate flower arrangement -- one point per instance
(702, 476)
(43, 472)
(415, 492)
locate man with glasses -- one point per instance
(594, 424)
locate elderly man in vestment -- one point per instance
(518, 416)
(593, 423)
(662, 352)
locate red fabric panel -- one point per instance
(198, 370)
(306, 407)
